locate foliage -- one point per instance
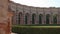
(39, 25)
(29, 30)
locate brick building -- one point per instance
(5, 17)
(23, 14)
(34, 15)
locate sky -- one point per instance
(39, 3)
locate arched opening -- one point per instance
(55, 19)
(19, 17)
(47, 18)
(26, 18)
(33, 18)
(40, 19)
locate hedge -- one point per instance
(28, 30)
(40, 25)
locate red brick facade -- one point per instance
(5, 17)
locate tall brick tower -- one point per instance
(4, 18)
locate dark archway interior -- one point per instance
(40, 19)
(26, 18)
(55, 19)
(47, 18)
(33, 18)
(19, 17)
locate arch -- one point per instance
(47, 18)
(26, 18)
(19, 17)
(40, 18)
(55, 18)
(33, 18)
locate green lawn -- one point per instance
(38, 26)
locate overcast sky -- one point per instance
(39, 3)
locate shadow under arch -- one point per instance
(40, 18)
(19, 17)
(33, 18)
(55, 19)
(27, 15)
(47, 18)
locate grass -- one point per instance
(37, 26)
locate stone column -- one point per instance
(50, 19)
(35, 19)
(43, 18)
(30, 18)
(58, 18)
(51, 16)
